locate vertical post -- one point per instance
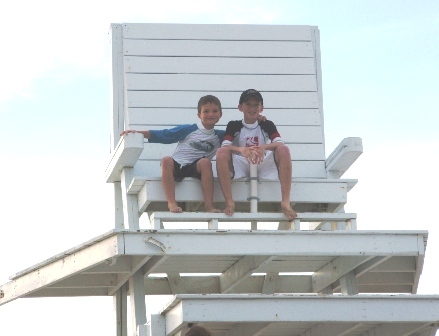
(130, 204)
(120, 309)
(348, 284)
(254, 193)
(137, 298)
(253, 188)
(156, 326)
(118, 206)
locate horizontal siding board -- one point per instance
(289, 134)
(216, 31)
(298, 151)
(171, 116)
(217, 65)
(212, 82)
(301, 169)
(180, 99)
(203, 48)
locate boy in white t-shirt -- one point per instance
(249, 141)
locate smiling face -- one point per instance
(210, 114)
(251, 108)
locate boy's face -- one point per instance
(210, 114)
(251, 108)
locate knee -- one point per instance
(283, 153)
(223, 153)
(167, 163)
(204, 164)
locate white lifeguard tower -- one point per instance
(317, 275)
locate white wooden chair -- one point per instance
(161, 70)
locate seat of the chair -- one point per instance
(227, 261)
(307, 194)
(295, 315)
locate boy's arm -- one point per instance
(166, 136)
(270, 128)
(146, 134)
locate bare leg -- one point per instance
(283, 159)
(223, 165)
(204, 167)
(168, 183)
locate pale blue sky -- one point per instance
(380, 82)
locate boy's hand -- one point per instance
(261, 118)
(127, 131)
(258, 154)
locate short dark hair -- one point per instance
(209, 99)
(197, 331)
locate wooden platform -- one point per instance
(300, 315)
(237, 261)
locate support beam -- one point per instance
(270, 282)
(137, 300)
(348, 284)
(239, 271)
(175, 283)
(130, 204)
(147, 264)
(334, 329)
(120, 309)
(118, 206)
(156, 326)
(333, 271)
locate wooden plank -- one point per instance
(301, 169)
(299, 152)
(211, 285)
(260, 243)
(161, 116)
(205, 48)
(216, 31)
(289, 134)
(179, 99)
(364, 309)
(220, 82)
(216, 65)
(269, 191)
(118, 98)
(397, 264)
(248, 217)
(387, 278)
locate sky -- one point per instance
(380, 83)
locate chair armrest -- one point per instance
(126, 154)
(343, 156)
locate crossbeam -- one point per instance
(158, 218)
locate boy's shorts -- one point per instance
(266, 170)
(189, 170)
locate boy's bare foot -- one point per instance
(288, 211)
(174, 207)
(212, 209)
(229, 209)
